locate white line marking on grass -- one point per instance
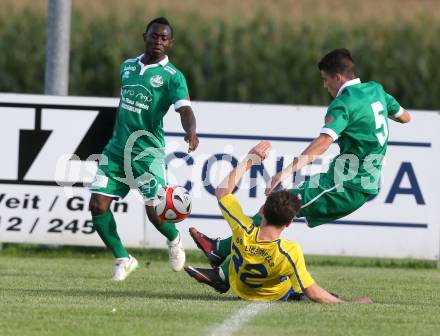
(236, 321)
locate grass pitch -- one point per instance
(68, 292)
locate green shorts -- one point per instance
(324, 202)
(113, 180)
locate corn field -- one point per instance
(254, 60)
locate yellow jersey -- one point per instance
(261, 270)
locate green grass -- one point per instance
(68, 292)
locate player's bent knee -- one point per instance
(152, 216)
(97, 206)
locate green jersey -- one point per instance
(147, 91)
(358, 118)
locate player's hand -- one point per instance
(362, 300)
(260, 151)
(192, 140)
(274, 183)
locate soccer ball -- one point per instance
(173, 203)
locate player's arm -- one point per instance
(189, 125)
(395, 111)
(402, 116)
(255, 155)
(320, 295)
(335, 122)
(316, 148)
(179, 96)
(301, 279)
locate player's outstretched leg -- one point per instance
(210, 277)
(209, 247)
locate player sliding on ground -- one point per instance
(264, 266)
(358, 118)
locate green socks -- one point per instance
(168, 230)
(224, 247)
(105, 225)
(224, 269)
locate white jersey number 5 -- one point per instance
(381, 123)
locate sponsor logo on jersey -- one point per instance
(142, 97)
(156, 81)
(136, 92)
(126, 74)
(328, 120)
(130, 68)
(135, 98)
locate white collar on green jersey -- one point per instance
(348, 83)
(147, 66)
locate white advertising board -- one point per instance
(48, 145)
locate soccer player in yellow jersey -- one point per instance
(262, 266)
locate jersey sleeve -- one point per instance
(300, 277)
(179, 91)
(121, 67)
(393, 107)
(336, 120)
(233, 214)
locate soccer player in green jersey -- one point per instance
(135, 155)
(358, 118)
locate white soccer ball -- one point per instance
(173, 203)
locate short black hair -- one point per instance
(338, 61)
(281, 207)
(160, 20)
